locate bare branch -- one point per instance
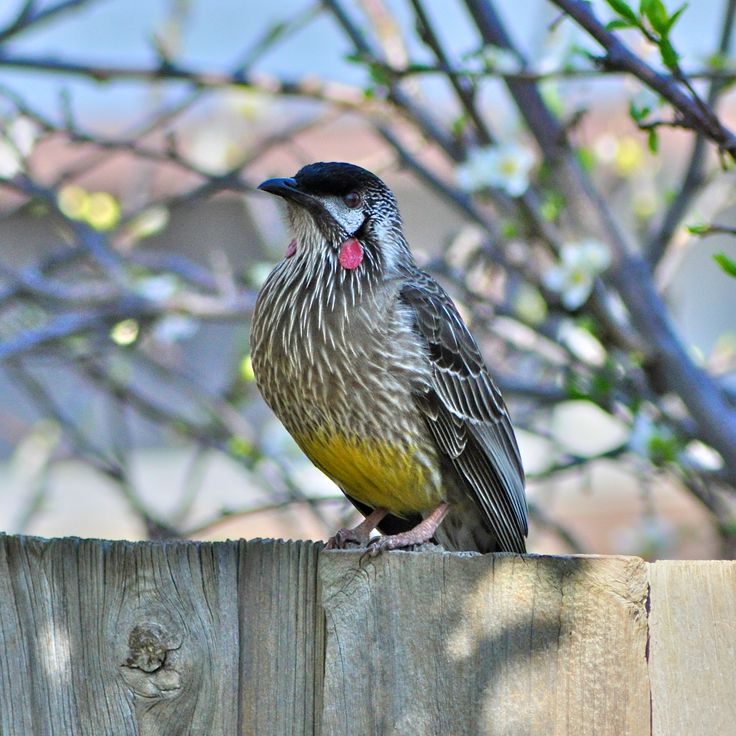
(334, 92)
(460, 83)
(31, 17)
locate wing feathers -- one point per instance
(466, 414)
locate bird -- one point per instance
(368, 364)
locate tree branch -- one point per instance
(694, 172)
(669, 366)
(334, 92)
(29, 17)
(696, 114)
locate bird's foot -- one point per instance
(421, 533)
(359, 535)
(345, 537)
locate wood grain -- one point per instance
(268, 638)
(437, 643)
(692, 659)
(157, 639)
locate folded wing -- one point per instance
(466, 415)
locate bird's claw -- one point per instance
(404, 541)
(382, 544)
(344, 538)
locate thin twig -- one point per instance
(694, 172)
(31, 17)
(334, 92)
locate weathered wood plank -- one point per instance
(281, 643)
(692, 649)
(124, 639)
(434, 643)
(166, 639)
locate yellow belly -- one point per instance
(400, 478)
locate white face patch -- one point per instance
(349, 219)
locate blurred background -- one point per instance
(132, 136)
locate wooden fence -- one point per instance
(276, 638)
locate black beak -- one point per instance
(281, 187)
(288, 188)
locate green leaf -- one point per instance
(698, 228)
(420, 68)
(552, 205)
(509, 229)
(657, 15)
(379, 75)
(727, 527)
(670, 57)
(619, 23)
(638, 114)
(586, 158)
(663, 447)
(726, 263)
(652, 140)
(458, 125)
(675, 17)
(239, 446)
(717, 61)
(623, 9)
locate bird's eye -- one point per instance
(352, 200)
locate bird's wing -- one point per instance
(466, 414)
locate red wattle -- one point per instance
(351, 254)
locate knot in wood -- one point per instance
(148, 647)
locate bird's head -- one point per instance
(343, 212)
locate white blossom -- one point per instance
(505, 166)
(573, 277)
(702, 456)
(10, 162)
(22, 133)
(584, 345)
(16, 145)
(215, 148)
(149, 222)
(252, 105)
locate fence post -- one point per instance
(271, 638)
